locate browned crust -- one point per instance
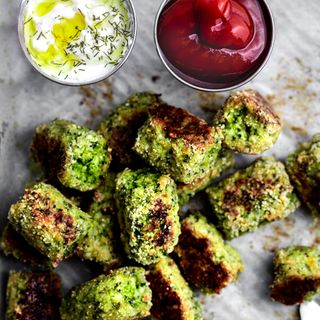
(161, 223)
(258, 105)
(166, 303)
(123, 138)
(48, 152)
(293, 290)
(310, 194)
(13, 241)
(41, 298)
(45, 214)
(244, 193)
(179, 123)
(195, 260)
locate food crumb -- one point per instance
(106, 89)
(275, 100)
(299, 130)
(289, 223)
(278, 231)
(154, 79)
(271, 243)
(316, 240)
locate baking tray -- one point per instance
(291, 81)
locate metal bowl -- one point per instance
(214, 87)
(133, 17)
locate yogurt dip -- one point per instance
(77, 41)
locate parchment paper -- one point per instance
(291, 81)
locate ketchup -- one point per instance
(213, 41)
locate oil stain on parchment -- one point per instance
(3, 129)
(93, 97)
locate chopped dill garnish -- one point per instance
(41, 34)
(27, 21)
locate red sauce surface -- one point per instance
(213, 41)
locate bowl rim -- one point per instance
(132, 12)
(225, 88)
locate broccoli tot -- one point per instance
(225, 161)
(297, 275)
(33, 296)
(120, 128)
(123, 294)
(101, 244)
(76, 156)
(148, 214)
(253, 196)
(51, 223)
(14, 245)
(178, 143)
(172, 299)
(303, 167)
(248, 122)
(206, 261)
